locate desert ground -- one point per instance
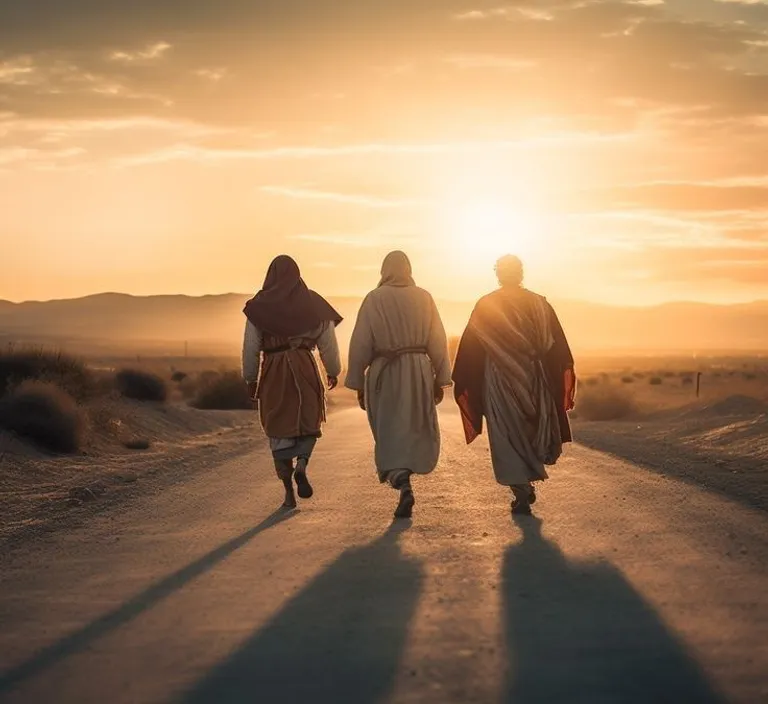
(168, 573)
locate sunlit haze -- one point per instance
(620, 148)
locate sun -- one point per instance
(486, 229)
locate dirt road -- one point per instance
(628, 587)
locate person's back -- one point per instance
(399, 316)
(286, 321)
(398, 364)
(515, 370)
(292, 399)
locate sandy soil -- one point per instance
(721, 445)
(39, 492)
(629, 587)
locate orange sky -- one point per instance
(168, 146)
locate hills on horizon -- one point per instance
(114, 323)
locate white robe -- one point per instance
(400, 394)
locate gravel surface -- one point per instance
(628, 586)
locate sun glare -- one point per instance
(483, 230)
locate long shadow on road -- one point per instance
(340, 640)
(579, 633)
(83, 638)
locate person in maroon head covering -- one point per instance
(286, 322)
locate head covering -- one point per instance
(285, 306)
(396, 270)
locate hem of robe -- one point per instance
(383, 473)
(525, 481)
(303, 446)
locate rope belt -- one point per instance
(391, 355)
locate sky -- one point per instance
(169, 146)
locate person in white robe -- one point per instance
(399, 365)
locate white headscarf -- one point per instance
(396, 270)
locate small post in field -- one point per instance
(698, 384)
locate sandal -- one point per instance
(303, 487)
(405, 506)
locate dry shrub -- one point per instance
(65, 371)
(687, 381)
(655, 381)
(208, 376)
(226, 392)
(45, 414)
(627, 380)
(605, 403)
(593, 381)
(137, 444)
(178, 377)
(141, 386)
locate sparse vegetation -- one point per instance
(605, 403)
(225, 392)
(627, 380)
(141, 386)
(137, 444)
(178, 377)
(70, 373)
(45, 414)
(655, 381)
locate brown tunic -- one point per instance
(291, 389)
(291, 392)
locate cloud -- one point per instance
(365, 201)
(149, 53)
(490, 13)
(36, 157)
(730, 265)
(362, 240)
(211, 74)
(187, 152)
(486, 61)
(17, 71)
(13, 124)
(690, 197)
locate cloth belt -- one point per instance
(289, 347)
(391, 355)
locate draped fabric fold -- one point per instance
(512, 370)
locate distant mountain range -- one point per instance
(113, 323)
